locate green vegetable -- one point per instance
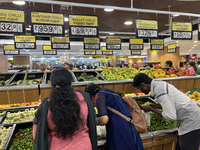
(25, 78)
(19, 82)
(1, 114)
(85, 77)
(40, 81)
(12, 84)
(30, 82)
(23, 140)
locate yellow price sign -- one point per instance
(104, 49)
(83, 20)
(110, 57)
(153, 51)
(97, 57)
(181, 26)
(171, 46)
(48, 48)
(59, 39)
(47, 18)
(25, 39)
(113, 41)
(9, 47)
(136, 41)
(12, 15)
(92, 40)
(105, 60)
(157, 41)
(146, 24)
(122, 57)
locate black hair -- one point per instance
(181, 64)
(193, 65)
(169, 63)
(198, 62)
(150, 65)
(141, 78)
(185, 62)
(64, 105)
(66, 63)
(92, 89)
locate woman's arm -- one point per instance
(34, 130)
(102, 120)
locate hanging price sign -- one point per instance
(171, 48)
(47, 23)
(47, 50)
(106, 51)
(113, 43)
(83, 25)
(97, 57)
(135, 52)
(58, 42)
(12, 21)
(157, 44)
(136, 44)
(181, 31)
(92, 43)
(110, 57)
(146, 28)
(10, 50)
(25, 42)
(89, 52)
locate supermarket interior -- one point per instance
(108, 43)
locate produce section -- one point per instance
(4, 133)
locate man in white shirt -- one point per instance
(176, 106)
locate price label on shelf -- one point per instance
(25, 42)
(106, 51)
(47, 50)
(146, 28)
(113, 43)
(135, 52)
(136, 44)
(83, 25)
(58, 42)
(12, 21)
(92, 43)
(157, 44)
(171, 48)
(10, 50)
(47, 23)
(181, 31)
(89, 52)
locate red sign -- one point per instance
(193, 57)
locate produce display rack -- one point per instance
(9, 136)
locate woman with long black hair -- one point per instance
(193, 69)
(61, 121)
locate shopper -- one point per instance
(198, 64)
(169, 64)
(61, 121)
(121, 134)
(193, 69)
(183, 66)
(176, 106)
(66, 66)
(186, 65)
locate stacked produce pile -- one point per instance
(19, 104)
(21, 116)
(4, 132)
(85, 77)
(160, 123)
(130, 73)
(1, 114)
(2, 83)
(195, 96)
(23, 140)
(25, 81)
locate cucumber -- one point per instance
(6, 81)
(19, 82)
(30, 82)
(40, 81)
(12, 84)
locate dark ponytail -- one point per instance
(193, 65)
(64, 107)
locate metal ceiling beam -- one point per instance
(113, 7)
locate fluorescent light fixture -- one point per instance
(64, 53)
(123, 51)
(177, 41)
(29, 53)
(194, 45)
(195, 41)
(19, 2)
(111, 33)
(128, 22)
(27, 50)
(108, 9)
(66, 19)
(176, 15)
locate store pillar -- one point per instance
(4, 63)
(114, 61)
(22, 61)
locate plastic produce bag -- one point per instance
(101, 131)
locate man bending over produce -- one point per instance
(176, 106)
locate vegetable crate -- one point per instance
(88, 76)
(5, 78)
(21, 137)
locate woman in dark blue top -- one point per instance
(121, 134)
